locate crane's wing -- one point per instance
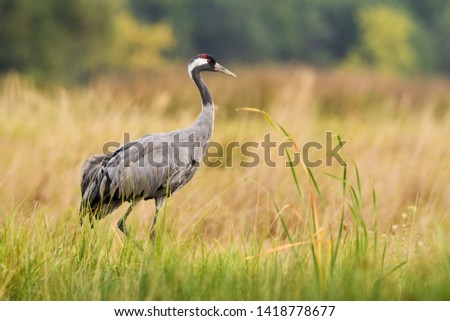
(109, 180)
(150, 167)
(143, 169)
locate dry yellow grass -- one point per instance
(397, 132)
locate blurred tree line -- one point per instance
(399, 35)
(74, 39)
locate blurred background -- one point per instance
(73, 40)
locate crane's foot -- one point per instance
(121, 225)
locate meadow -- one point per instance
(376, 229)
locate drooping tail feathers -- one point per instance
(93, 180)
(89, 170)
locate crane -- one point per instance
(152, 167)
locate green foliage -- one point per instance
(137, 46)
(53, 38)
(72, 39)
(315, 31)
(319, 32)
(385, 40)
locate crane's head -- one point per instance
(206, 62)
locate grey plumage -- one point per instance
(153, 166)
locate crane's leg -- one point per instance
(159, 201)
(86, 209)
(121, 225)
(82, 213)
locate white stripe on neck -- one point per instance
(197, 62)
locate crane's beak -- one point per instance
(219, 67)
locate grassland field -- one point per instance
(376, 229)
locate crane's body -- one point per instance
(153, 166)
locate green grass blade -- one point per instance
(316, 186)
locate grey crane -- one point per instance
(153, 166)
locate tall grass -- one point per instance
(374, 229)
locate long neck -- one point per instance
(205, 121)
(204, 92)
